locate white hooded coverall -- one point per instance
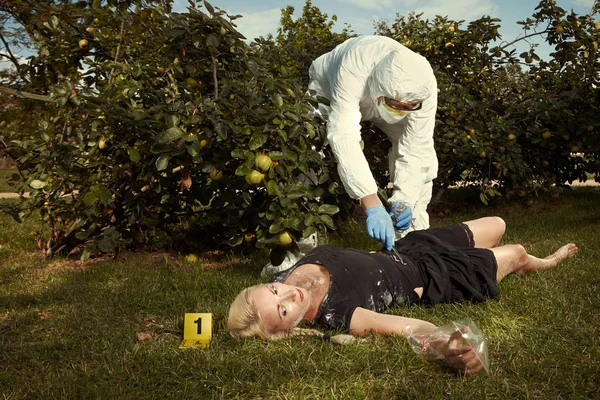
(352, 77)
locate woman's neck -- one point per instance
(315, 279)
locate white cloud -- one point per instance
(584, 3)
(360, 26)
(5, 63)
(467, 10)
(457, 9)
(376, 4)
(251, 25)
(261, 23)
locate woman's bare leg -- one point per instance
(487, 231)
(514, 258)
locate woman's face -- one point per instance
(281, 306)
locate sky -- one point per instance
(261, 17)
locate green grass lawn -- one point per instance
(69, 329)
(5, 174)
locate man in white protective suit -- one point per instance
(375, 78)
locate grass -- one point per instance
(5, 175)
(68, 329)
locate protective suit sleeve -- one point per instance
(415, 161)
(343, 134)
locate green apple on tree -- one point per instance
(285, 239)
(263, 162)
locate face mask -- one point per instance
(389, 114)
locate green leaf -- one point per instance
(172, 120)
(297, 191)
(36, 184)
(175, 32)
(134, 155)
(308, 231)
(310, 219)
(75, 100)
(243, 170)
(104, 195)
(158, 148)
(323, 100)
(272, 214)
(193, 148)
(323, 178)
(109, 240)
(83, 235)
(162, 162)
(328, 209)
(209, 7)
(278, 100)
(483, 198)
(271, 186)
(85, 254)
(89, 198)
(235, 240)
(333, 188)
(290, 154)
(292, 116)
(296, 223)
(257, 141)
(212, 40)
(326, 219)
(276, 226)
(239, 154)
(276, 155)
(295, 131)
(170, 135)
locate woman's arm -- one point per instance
(460, 357)
(365, 321)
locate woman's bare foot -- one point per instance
(560, 255)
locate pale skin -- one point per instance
(283, 305)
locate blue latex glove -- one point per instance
(380, 227)
(401, 219)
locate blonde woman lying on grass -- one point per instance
(349, 289)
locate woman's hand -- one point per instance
(457, 355)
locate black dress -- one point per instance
(442, 261)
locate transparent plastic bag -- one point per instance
(468, 334)
(398, 208)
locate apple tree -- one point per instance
(507, 122)
(168, 129)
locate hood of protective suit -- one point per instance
(403, 76)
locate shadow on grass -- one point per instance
(70, 330)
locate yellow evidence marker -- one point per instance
(197, 330)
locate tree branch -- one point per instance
(12, 58)
(120, 40)
(215, 80)
(118, 54)
(522, 38)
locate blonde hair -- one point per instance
(244, 320)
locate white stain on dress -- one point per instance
(387, 298)
(371, 303)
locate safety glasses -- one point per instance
(401, 106)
